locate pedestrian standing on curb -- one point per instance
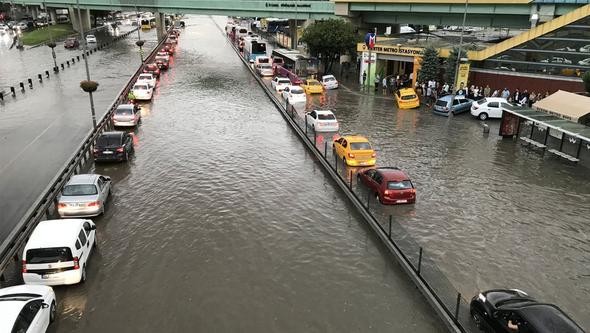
(486, 91)
(364, 77)
(505, 93)
(391, 85)
(428, 96)
(377, 80)
(384, 86)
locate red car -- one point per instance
(71, 43)
(390, 185)
(152, 69)
(162, 63)
(169, 48)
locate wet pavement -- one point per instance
(20, 65)
(38, 134)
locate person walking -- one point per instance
(384, 84)
(131, 97)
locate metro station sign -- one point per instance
(393, 50)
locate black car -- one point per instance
(503, 311)
(113, 146)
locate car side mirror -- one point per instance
(93, 227)
(44, 305)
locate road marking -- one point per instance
(27, 146)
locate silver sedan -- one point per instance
(84, 195)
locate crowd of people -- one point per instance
(432, 90)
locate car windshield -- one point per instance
(408, 97)
(108, 140)
(296, 91)
(145, 77)
(277, 61)
(20, 297)
(326, 116)
(263, 60)
(481, 101)
(329, 78)
(48, 255)
(401, 185)
(285, 81)
(79, 189)
(90, 36)
(265, 66)
(124, 112)
(313, 83)
(140, 87)
(360, 146)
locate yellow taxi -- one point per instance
(354, 150)
(407, 98)
(312, 86)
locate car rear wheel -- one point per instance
(478, 320)
(483, 116)
(83, 277)
(52, 312)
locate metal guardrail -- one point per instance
(451, 318)
(42, 206)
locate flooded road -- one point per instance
(490, 213)
(223, 222)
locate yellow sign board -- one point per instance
(463, 75)
(391, 49)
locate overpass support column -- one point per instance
(33, 11)
(52, 15)
(85, 23)
(160, 25)
(293, 33)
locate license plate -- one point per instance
(107, 152)
(363, 163)
(402, 201)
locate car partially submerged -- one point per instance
(513, 310)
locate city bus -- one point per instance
(253, 48)
(296, 62)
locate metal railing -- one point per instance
(451, 307)
(41, 208)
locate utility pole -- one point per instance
(370, 47)
(85, 56)
(454, 93)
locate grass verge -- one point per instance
(41, 35)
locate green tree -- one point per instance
(586, 79)
(451, 66)
(429, 65)
(329, 39)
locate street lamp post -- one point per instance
(85, 56)
(458, 59)
(139, 41)
(51, 43)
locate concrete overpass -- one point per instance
(492, 13)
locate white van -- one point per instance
(57, 252)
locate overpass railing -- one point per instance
(450, 305)
(45, 203)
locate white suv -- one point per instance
(489, 107)
(26, 308)
(57, 252)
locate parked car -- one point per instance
(329, 82)
(277, 61)
(488, 107)
(584, 62)
(172, 39)
(162, 62)
(27, 308)
(264, 69)
(557, 60)
(513, 310)
(152, 69)
(142, 91)
(84, 195)
(279, 83)
(294, 94)
(57, 252)
(71, 43)
(90, 39)
(390, 185)
(406, 98)
(163, 54)
(148, 78)
(262, 60)
(354, 150)
(312, 86)
(127, 115)
(505, 68)
(322, 121)
(460, 104)
(169, 48)
(22, 26)
(113, 146)
(585, 48)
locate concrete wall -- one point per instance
(536, 84)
